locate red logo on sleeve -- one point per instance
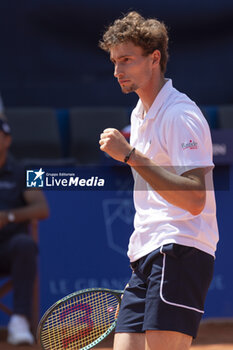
(191, 145)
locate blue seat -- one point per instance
(211, 115)
(35, 133)
(86, 125)
(226, 116)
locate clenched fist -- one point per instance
(114, 143)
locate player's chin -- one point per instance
(128, 89)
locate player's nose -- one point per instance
(118, 71)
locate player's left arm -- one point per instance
(36, 207)
(186, 191)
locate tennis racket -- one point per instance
(80, 320)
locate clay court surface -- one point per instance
(212, 336)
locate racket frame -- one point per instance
(47, 313)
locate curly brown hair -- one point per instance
(149, 34)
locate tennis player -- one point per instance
(172, 248)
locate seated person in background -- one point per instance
(18, 251)
(2, 114)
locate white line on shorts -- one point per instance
(161, 289)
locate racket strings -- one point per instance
(79, 321)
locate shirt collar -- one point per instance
(158, 102)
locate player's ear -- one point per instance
(156, 56)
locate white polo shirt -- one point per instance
(175, 135)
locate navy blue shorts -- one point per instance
(166, 291)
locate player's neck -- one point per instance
(149, 93)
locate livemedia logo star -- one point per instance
(35, 178)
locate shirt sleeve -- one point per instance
(188, 141)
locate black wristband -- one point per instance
(128, 155)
